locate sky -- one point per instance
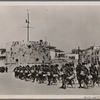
(65, 27)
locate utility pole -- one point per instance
(27, 21)
(28, 26)
(78, 55)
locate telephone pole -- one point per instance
(78, 55)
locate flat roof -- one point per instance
(50, 47)
(57, 50)
(2, 48)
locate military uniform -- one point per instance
(94, 73)
(82, 74)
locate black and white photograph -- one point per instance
(49, 49)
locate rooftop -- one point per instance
(50, 47)
(57, 50)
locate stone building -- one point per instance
(27, 53)
(2, 56)
(79, 54)
(92, 55)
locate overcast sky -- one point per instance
(65, 27)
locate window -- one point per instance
(97, 52)
(29, 46)
(16, 60)
(37, 59)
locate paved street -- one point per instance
(9, 85)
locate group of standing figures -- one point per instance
(3, 69)
(67, 74)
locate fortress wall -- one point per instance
(24, 53)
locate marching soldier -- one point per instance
(82, 74)
(94, 73)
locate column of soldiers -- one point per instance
(40, 73)
(67, 74)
